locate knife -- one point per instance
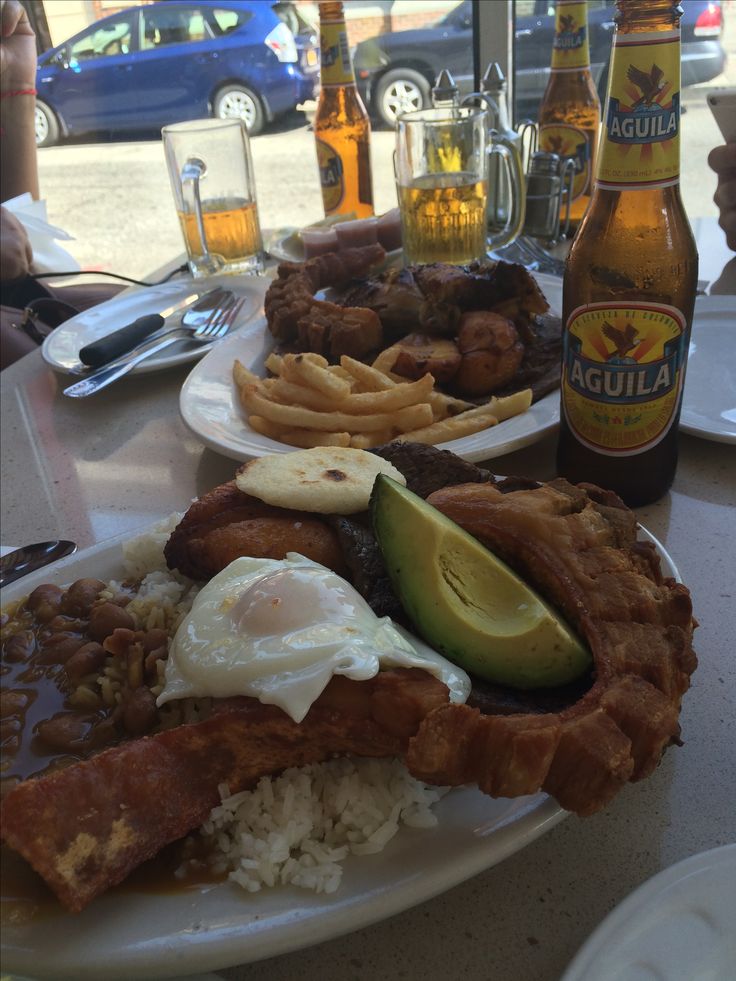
(100, 352)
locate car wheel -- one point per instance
(401, 90)
(239, 102)
(47, 125)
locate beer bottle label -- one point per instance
(640, 141)
(570, 48)
(622, 374)
(331, 176)
(569, 141)
(336, 68)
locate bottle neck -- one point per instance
(336, 66)
(570, 48)
(640, 136)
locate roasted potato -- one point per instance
(491, 353)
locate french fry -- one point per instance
(511, 405)
(451, 428)
(304, 438)
(273, 363)
(366, 441)
(290, 393)
(390, 399)
(242, 376)
(307, 370)
(297, 417)
(369, 377)
(385, 361)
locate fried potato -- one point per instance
(306, 402)
(297, 417)
(312, 370)
(303, 438)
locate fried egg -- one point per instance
(278, 630)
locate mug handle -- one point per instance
(511, 160)
(191, 174)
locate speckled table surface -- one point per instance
(93, 469)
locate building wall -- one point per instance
(364, 18)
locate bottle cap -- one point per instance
(445, 88)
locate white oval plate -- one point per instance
(130, 935)
(678, 925)
(709, 399)
(62, 346)
(210, 406)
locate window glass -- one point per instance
(113, 39)
(385, 38)
(162, 27)
(228, 20)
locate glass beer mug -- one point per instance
(441, 165)
(211, 175)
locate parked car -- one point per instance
(395, 71)
(148, 66)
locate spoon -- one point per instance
(31, 557)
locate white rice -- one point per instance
(298, 827)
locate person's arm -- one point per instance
(18, 155)
(722, 159)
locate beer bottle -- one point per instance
(570, 111)
(631, 274)
(341, 126)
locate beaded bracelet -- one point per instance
(7, 95)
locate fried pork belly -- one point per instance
(86, 827)
(294, 315)
(577, 545)
(225, 524)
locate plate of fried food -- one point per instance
(256, 694)
(463, 357)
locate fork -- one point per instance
(216, 326)
(530, 254)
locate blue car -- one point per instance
(149, 66)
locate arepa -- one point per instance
(325, 479)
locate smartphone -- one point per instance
(722, 104)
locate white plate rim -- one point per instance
(209, 406)
(692, 421)
(646, 897)
(61, 347)
(476, 831)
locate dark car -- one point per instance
(395, 72)
(165, 62)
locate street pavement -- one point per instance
(114, 197)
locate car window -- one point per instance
(225, 21)
(162, 27)
(112, 39)
(292, 18)
(457, 17)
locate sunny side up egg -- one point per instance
(278, 630)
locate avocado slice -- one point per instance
(466, 602)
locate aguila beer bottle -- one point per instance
(631, 274)
(341, 126)
(570, 111)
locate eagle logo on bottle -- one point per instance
(623, 370)
(641, 138)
